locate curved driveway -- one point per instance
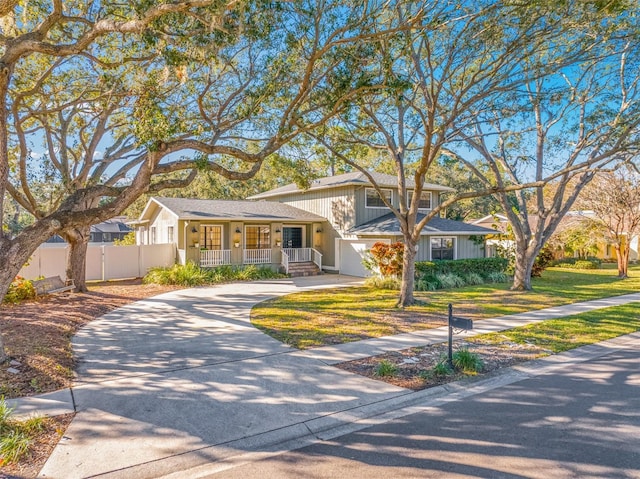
(184, 371)
(181, 384)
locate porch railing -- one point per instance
(316, 257)
(300, 255)
(256, 256)
(215, 257)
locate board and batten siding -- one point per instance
(337, 205)
(364, 214)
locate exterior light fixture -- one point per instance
(238, 229)
(194, 230)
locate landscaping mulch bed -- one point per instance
(37, 334)
(415, 365)
(40, 449)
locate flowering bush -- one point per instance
(20, 290)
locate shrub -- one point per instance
(20, 289)
(450, 280)
(386, 368)
(191, 274)
(462, 267)
(466, 361)
(427, 284)
(579, 264)
(127, 240)
(385, 259)
(442, 368)
(542, 261)
(473, 278)
(383, 283)
(496, 277)
(188, 274)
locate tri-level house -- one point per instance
(328, 226)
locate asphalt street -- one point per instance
(582, 421)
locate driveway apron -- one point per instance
(185, 375)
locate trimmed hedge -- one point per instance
(461, 267)
(571, 262)
(580, 264)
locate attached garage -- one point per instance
(352, 253)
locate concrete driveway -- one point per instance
(181, 385)
(183, 379)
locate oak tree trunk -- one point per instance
(525, 257)
(78, 239)
(408, 274)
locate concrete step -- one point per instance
(303, 269)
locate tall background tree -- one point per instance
(613, 204)
(561, 128)
(434, 82)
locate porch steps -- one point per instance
(303, 269)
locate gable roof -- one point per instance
(231, 210)
(389, 225)
(356, 178)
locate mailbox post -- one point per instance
(458, 323)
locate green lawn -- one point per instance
(559, 335)
(317, 318)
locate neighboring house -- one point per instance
(105, 232)
(110, 230)
(605, 251)
(337, 219)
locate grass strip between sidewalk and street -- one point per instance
(425, 366)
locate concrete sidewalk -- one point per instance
(183, 381)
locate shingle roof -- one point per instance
(347, 179)
(196, 209)
(389, 225)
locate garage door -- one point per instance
(351, 254)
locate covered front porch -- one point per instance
(235, 243)
(283, 257)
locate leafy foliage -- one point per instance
(128, 239)
(462, 267)
(383, 283)
(16, 436)
(191, 274)
(466, 361)
(575, 263)
(386, 368)
(543, 260)
(385, 259)
(20, 290)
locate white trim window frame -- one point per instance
(420, 207)
(376, 197)
(441, 240)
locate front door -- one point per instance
(292, 237)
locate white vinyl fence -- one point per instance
(104, 262)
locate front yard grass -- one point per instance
(318, 318)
